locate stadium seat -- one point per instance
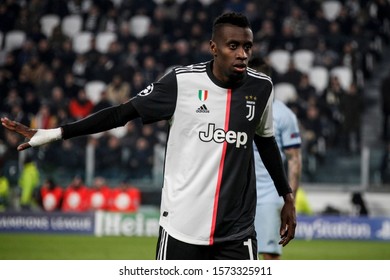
(103, 41)
(139, 25)
(14, 39)
(82, 42)
(319, 78)
(303, 60)
(285, 92)
(94, 90)
(344, 74)
(48, 22)
(72, 25)
(279, 60)
(331, 9)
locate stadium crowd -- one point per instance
(47, 76)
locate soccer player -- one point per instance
(215, 109)
(269, 204)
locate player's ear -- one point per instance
(213, 48)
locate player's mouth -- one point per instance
(239, 67)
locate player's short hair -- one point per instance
(233, 18)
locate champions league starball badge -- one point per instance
(148, 90)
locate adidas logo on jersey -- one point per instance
(202, 109)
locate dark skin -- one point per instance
(231, 47)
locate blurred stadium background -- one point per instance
(62, 60)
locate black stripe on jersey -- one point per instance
(254, 73)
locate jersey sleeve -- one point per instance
(158, 100)
(289, 129)
(265, 126)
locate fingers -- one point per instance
(23, 146)
(8, 124)
(286, 237)
(18, 128)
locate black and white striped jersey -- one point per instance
(209, 188)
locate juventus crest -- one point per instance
(251, 105)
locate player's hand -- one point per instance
(288, 218)
(20, 129)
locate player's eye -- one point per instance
(233, 46)
(247, 47)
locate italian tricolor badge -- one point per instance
(202, 94)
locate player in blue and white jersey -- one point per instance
(269, 204)
(215, 111)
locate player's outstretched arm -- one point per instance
(36, 137)
(288, 220)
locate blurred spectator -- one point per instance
(31, 103)
(292, 76)
(69, 86)
(45, 51)
(138, 83)
(385, 99)
(68, 56)
(297, 21)
(310, 38)
(76, 196)
(335, 39)
(28, 182)
(58, 100)
(12, 98)
(306, 94)
(77, 6)
(58, 7)
(34, 69)
(79, 70)
(103, 102)
(325, 57)
(266, 37)
(92, 19)
(302, 203)
(51, 196)
(359, 204)
(92, 55)
(352, 108)
(313, 139)
(103, 70)
(44, 118)
(287, 39)
(4, 191)
(24, 54)
(10, 69)
(45, 88)
(110, 150)
(331, 98)
(57, 38)
(65, 156)
(19, 115)
(118, 90)
(81, 106)
(141, 160)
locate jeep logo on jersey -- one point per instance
(147, 90)
(219, 136)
